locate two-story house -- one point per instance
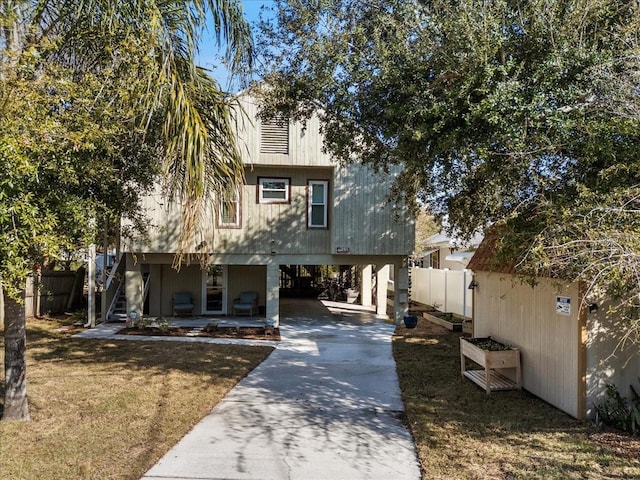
(296, 207)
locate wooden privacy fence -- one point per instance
(446, 290)
(53, 292)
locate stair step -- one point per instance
(117, 317)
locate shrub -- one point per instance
(619, 412)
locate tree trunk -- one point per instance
(15, 365)
(1, 306)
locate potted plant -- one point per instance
(410, 321)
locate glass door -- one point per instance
(214, 280)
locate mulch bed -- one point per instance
(248, 333)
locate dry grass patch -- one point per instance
(111, 409)
(462, 433)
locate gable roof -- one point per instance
(485, 257)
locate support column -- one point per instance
(133, 286)
(365, 286)
(91, 288)
(273, 294)
(401, 293)
(382, 280)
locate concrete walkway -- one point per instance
(325, 405)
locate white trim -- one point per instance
(237, 221)
(223, 288)
(262, 189)
(324, 203)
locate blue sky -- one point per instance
(209, 56)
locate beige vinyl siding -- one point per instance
(165, 281)
(364, 221)
(279, 227)
(526, 318)
(360, 217)
(245, 278)
(305, 143)
(265, 228)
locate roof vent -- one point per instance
(275, 136)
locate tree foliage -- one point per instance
(522, 113)
(98, 100)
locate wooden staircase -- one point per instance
(117, 312)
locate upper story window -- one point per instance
(229, 211)
(318, 204)
(274, 190)
(274, 138)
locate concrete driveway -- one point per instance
(324, 405)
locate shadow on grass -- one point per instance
(46, 344)
(461, 432)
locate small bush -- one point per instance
(619, 412)
(163, 324)
(144, 322)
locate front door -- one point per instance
(215, 286)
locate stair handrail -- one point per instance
(145, 288)
(112, 287)
(114, 268)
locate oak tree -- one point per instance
(523, 114)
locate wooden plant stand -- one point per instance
(487, 377)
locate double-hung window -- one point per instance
(318, 204)
(229, 210)
(273, 190)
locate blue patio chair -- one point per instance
(182, 304)
(247, 303)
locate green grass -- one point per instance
(462, 433)
(111, 409)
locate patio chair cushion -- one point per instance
(246, 301)
(182, 302)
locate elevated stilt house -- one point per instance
(297, 207)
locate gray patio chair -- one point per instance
(247, 303)
(182, 304)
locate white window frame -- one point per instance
(311, 204)
(261, 189)
(237, 223)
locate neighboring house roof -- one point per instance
(462, 257)
(434, 242)
(484, 258)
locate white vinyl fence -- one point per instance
(446, 290)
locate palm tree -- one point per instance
(145, 50)
(176, 95)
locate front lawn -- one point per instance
(105, 409)
(462, 433)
